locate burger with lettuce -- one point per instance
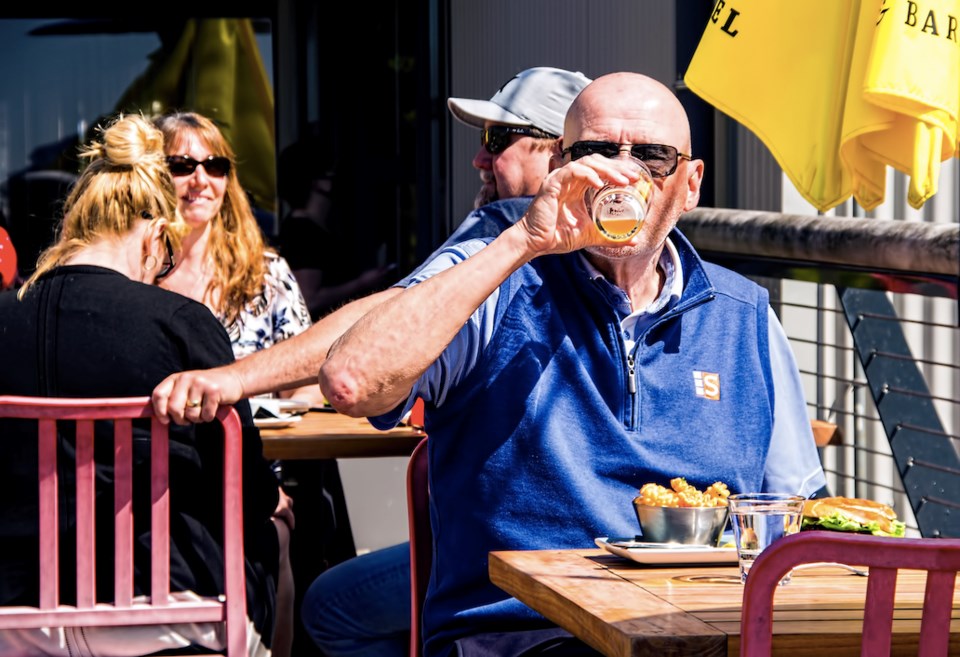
(851, 514)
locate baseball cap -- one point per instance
(538, 97)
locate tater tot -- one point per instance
(682, 494)
(718, 493)
(656, 495)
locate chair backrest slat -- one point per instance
(236, 612)
(86, 527)
(160, 514)
(937, 610)
(878, 611)
(421, 540)
(49, 514)
(123, 512)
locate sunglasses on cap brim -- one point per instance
(184, 165)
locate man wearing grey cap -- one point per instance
(519, 126)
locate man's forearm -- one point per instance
(373, 366)
(295, 362)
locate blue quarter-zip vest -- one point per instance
(546, 443)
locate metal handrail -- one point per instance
(887, 254)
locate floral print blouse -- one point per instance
(279, 312)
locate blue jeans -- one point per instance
(361, 607)
(548, 642)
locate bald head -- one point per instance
(627, 108)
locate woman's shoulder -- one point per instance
(278, 312)
(276, 263)
(173, 306)
(125, 294)
(280, 280)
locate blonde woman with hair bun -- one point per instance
(90, 322)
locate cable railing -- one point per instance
(871, 310)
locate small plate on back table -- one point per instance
(270, 413)
(276, 422)
(267, 407)
(666, 553)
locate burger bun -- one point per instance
(851, 514)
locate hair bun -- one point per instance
(129, 141)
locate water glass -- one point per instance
(759, 519)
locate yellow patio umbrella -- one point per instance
(839, 89)
(214, 67)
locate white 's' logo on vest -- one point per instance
(707, 384)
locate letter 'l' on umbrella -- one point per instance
(839, 89)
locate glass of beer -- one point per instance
(620, 210)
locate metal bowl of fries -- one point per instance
(692, 525)
(681, 513)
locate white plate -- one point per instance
(276, 422)
(293, 406)
(277, 408)
(662, 553)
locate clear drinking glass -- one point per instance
(758, 520)
(620, 210)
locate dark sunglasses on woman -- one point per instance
(184, 165)
(660, 159)
(496, 138)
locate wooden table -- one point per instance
(330, 435)
(624, 609)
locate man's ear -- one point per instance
(556, 154)
(694, 180)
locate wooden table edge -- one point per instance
(343, 438)
(614, 631)
(293, 448)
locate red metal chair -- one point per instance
(8, 260)
(421, 540)
(884, 557)
(162, 607)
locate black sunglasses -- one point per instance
(660, 159)
(184, 165)
(496, 138)
(169, 263)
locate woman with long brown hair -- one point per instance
(224, 262)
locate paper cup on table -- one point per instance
(760, 519)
